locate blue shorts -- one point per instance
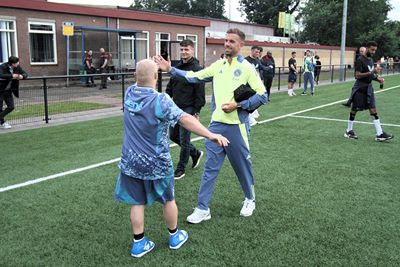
(141, 192)
(292, 77)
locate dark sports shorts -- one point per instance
(292, 77)
(136, 191)
(362, 100)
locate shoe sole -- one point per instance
(383, 139)
(143, 253)
(179, 177)
(198, 161)
(348, 136)
(204, 219)
(247, 215)
(180, 244)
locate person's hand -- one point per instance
(197, 117)
(20, 77)
(229, 107)
(15, 76)
(381, 81)
(162, 63)
(219, 139)
(376, 70)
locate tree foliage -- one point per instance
(208, 8)
(202, 8)
(366, 20)
(266, 12)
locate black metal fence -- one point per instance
(47, 97)
(328, 73)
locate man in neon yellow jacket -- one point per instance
(308, 67)
(228, 118)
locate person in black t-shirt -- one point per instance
(363, 96)
(269, 72)
(317, 69)
(253, 58)
(10, 75)
(292, 74)
(89, 68)
(103, 68)
(190, 97)
(362, 51)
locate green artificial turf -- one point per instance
(322, 199)
(57, 108)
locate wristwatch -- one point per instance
(197, 114)
(239, 105)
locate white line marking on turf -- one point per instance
(328, 119)
(3, 189)
(318, 107)
(35, 181)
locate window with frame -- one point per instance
(162, 40)
(181, 37)
(42, 42)
(128, 49)
(8, 39)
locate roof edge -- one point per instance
(103, 12)
(221, 41)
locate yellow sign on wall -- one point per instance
(68, 28)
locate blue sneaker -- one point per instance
(141, 247)
(178, 239)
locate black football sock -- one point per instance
(138, 237)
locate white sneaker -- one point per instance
(293, 93)
(253, 122)
(255, 114)
(249, 205)
(6, 126)
(198, 216)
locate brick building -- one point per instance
(32, 30)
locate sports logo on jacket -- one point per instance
(237, 72)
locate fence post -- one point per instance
(279, 78)
(46, 103)
(344, 73)
(123, 90)
(333, 68)
(159, 82)
(300, 78)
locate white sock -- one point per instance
(349, 125)
(378, 127)
(290, 91)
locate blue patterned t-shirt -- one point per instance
(147, 117)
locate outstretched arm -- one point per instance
(194, 126)
(204, 75)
